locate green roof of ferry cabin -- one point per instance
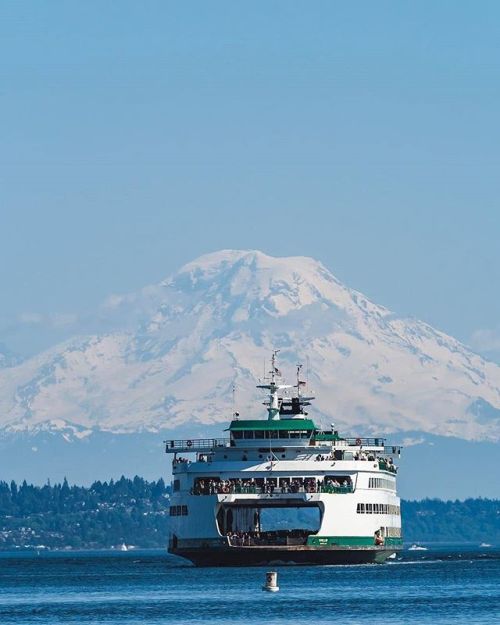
(291, 425)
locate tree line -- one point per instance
(103, 515)
(472, 520)
(136, 512)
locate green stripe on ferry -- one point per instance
(350, 541)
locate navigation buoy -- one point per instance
(271, 584)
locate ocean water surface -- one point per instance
(451, 585)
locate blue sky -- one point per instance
(137, 136)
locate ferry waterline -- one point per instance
(231, 497)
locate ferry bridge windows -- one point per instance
(378, 508)
(274, 434)
(178, 510)
(300, 434)
(269, 434)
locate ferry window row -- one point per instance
(380, 482)
(178, 510)
(260, 434)
(378, 508)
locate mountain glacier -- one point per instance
(209, 328)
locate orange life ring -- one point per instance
(358, 441)
(189, 443)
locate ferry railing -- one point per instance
(393, 450)
(364, 442)
(276, 490)
(195, 444)
(207, 444)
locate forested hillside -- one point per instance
(472, 520)
(135, 512)
(106, 514)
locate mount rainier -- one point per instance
(210, 326)
(177, 349)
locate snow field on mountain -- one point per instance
(210, 327)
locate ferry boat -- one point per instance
(250, 498)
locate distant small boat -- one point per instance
(417, 548)
(485, 545)
(123, 547)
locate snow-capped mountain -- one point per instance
(210, 326)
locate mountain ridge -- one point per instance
(209, 327)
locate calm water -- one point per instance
(436, 586)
